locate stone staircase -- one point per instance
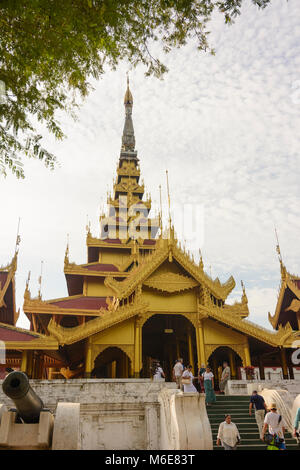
(238, 407)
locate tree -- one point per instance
(49, 49)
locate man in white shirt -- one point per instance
(228, 434)
(178, 371)
(276, 425)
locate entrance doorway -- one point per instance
(112, 363)
(165, 338)
(224, 354)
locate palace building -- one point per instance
(140, 296)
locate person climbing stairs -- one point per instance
(238, 407)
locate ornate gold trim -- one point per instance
(170, 282)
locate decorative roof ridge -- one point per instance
(275, 338)
(149, 263)
(109, 317)
(286, 281)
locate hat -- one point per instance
(273, 406)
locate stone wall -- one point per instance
(245, 387)
(114, 413)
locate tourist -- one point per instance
(297, 426)
(200, 377)
(159, 375)
(187, 380)
(260, 407)
(178, 371)
(276, 426)
(225, 377)
(228, 434)
(208, 378)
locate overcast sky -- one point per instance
(227, 129)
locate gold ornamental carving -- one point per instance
(170, 282)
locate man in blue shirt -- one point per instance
(297, 425)
(260, 407)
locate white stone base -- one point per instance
(246, 387)
(115, 414)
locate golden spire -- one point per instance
(160, 213)
(282, 267)
(18, 239)
(244, 296)
(201, 264)
(128, 139)
(40, 281)
(27, 292)
(128, 95)
(67, 252)
(169, 202)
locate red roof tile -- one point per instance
(86, 303)
(101, 267)
(3, 278)
(7, 334)
(297, 282)
(149, 242)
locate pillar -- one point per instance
(247, 354)
(261, 368)
(114, 369)
(190, 348)
(232, 364)
(88, 360)
(200, 344)
(284, 363)
(137, 349)
(24, 361)
(30, 362)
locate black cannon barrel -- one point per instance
(28, 403)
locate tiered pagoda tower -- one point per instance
(140, 296)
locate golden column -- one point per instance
(190, 347)
(247, 354)
(232, 364)
(24, 361)
(88, 360)
(138, 347)
(284, 363)
(200, 343)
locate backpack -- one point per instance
(273, 440)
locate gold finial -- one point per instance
(67, 251)
(27, 292)
(169, 203)
(28, 280)
(18, 239)
(40, 281)
(282, 267)
(244, 296)
(128, 96)
(201, 264)
(160, 214)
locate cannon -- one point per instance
(30, 425)
(28, 404)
